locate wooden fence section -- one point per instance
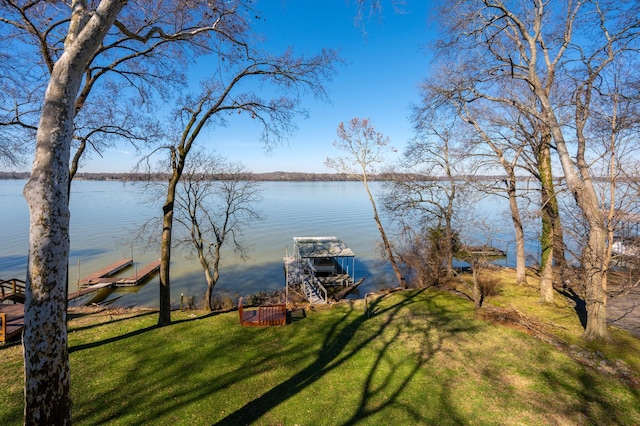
(13, 289)
(262, 316)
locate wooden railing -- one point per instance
(319, 289)
(12, 289)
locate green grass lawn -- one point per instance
(419, 357)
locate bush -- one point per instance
(489, 286)
(425, 257)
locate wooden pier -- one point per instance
(12, 315)
(107, 275)
(104, 275)
(482, 251)
(87, 290)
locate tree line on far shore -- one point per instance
(268, 177)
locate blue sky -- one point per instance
(379, 80)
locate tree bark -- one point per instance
(521, 269)
(550, 221)
(475, 273)
(164, 315)
(593, 256)
(45, 341)
(212, 279)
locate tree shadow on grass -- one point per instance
(72, 316)
(245, 375)
(134, 333)
(580, 306)
(382, 386)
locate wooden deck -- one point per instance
(106, 275)
(11, 321)
(87, 290)
(13, 290)
(140, 275)
(262, 316)
(12, 315)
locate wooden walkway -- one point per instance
(12, 315)
(106, 275)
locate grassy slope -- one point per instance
(420, 358)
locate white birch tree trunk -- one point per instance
(46, 357)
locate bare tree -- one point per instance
(214, 202)
(543, 46)
(425, 196)
(614, 155)
(365, 148)
(229, 92)
(144, 56)
(477, 252)
(47, 377)
(75, 42)
(497, 139)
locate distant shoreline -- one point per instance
(261, 177)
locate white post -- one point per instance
(354, 269)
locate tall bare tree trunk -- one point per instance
(47, 376)
(593, 256)
(45, 341)
(550, 221)
(521, 269)
(164, 315)
(212, 278)
(385, 241)
(449, 236)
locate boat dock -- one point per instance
(319, 269)
(87, 290)
(13, 290)
(106, 276)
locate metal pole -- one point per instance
(354, 269)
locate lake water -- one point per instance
(106, 215)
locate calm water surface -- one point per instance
(107, 215)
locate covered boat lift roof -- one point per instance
(314, 247)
